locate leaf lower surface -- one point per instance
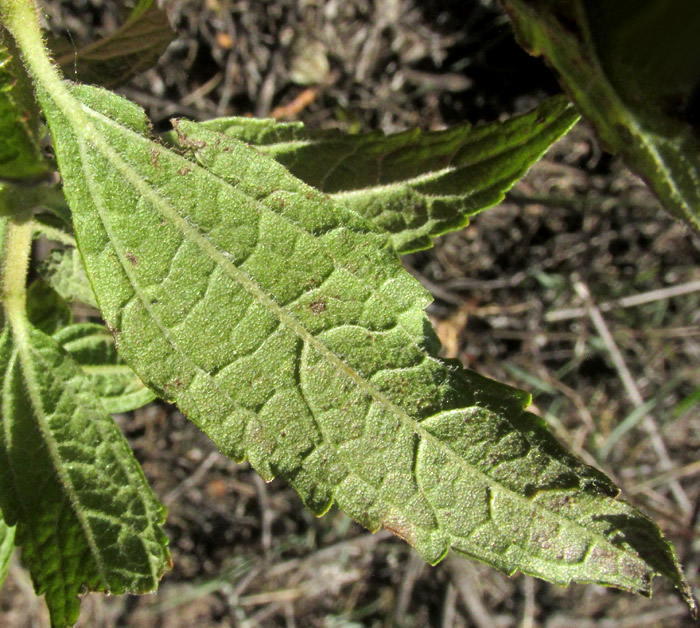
(415, 185)
(284, 326)
(92, 347)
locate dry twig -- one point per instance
(635, 395)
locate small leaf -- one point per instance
(52, 200)
(92, 347)
(14, 198)
(7, 548)
(63, 270)
(284, 325)
(133, 48)
(46, 309)
(414, 185)
(20, 153)
(634, 70)
(85, 517)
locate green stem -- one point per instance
(16, 249)
(21, 19)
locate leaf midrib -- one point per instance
(87, 133)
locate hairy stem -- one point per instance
(16, 238)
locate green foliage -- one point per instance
(46, 310)
(43, 196)
(20, 153)
(634, 70)
(84, 514)
(413, 185)
(283, 325)
(64, 271)
(260, 290)
(92, 347)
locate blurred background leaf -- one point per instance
(634, 70)
(112, 60)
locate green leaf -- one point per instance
(92, 347)
(15, 198)
(285, 327)
(46, 310)
(52, 200)
(133, 48)
(85, 517)
(7, 548)
(20, 153)
(63, 270)
(634, 70)
(414, 185)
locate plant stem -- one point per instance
(20, 17)
(16, 249)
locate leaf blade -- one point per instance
(20, 154)
(284, 326)
(46, 309)
(63, 270)
(75, 535)
(92, 347)
(414, 185)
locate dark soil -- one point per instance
(247, 554)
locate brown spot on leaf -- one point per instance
(133, 260)
(184, 170)
(559, 503)
(317, 306)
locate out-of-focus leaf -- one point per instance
(414, 185)
(14, 198)
(46, 309)
(20, 152)
(633, 68)
(7, 548)
(63, 270)
(132, 48)
(92, 347)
